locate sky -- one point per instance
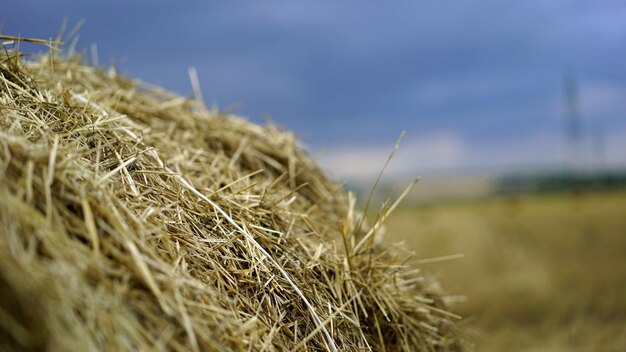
(476, 85)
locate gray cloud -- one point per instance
(341, 72)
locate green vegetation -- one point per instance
(539, 273)
(561, 181)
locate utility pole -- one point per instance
(599, 148)
(572, 123)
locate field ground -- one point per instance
(539, 273)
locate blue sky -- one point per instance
(476, 84)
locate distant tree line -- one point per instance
(560, 182)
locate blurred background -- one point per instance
(515, 114)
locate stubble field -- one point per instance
(539, 273)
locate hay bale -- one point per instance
(134, 219)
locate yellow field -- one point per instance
(540, 273)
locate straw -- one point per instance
(135, 219)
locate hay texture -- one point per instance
(135, 219)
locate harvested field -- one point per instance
(135, 219)
(539, 272)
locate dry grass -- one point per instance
(540, 273)
(134, 219)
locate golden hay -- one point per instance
(134, 219)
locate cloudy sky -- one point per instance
(477, 85)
